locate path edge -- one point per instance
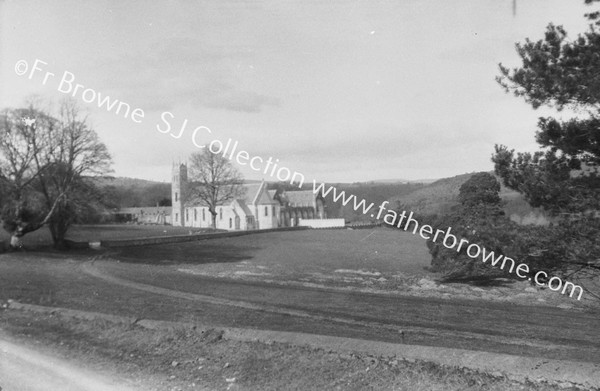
(517, 368)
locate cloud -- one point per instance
(376, 142)
(348, 152)
(184, 71)
(483, 51)
(245, 101)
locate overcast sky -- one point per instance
(341, 91)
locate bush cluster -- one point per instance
(560, 249)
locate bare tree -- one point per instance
(214, 181)
(22, 208)
(43, 161)
(75, 151)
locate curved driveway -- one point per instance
(495, 327)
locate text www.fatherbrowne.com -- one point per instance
(449, 240)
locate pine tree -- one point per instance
(561, 72)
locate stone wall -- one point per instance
(188, 238)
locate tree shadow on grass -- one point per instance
(185, 253)
(486, 281)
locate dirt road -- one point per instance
(24, 369)
(503, 328)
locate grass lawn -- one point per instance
(371, 260)
(89, 233)
(56, 279)
(344, 256)
(348, 255)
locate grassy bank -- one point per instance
(186, 360)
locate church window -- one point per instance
(266, 210)
(221, 213)
(230, 223)
(203, 214)
(273, 210)
(187, 215)
(175, 196)
(176, 216)
(195, 214)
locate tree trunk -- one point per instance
(58, 236)
(214, 220)
(20, 228)
(59, 240)
(15, 241)
(60, 244)
(59, 226)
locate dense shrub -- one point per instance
(559, 249)
(480, 220)
(482, 188)
(482, 224)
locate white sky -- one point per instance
(340, 91)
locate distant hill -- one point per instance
(121, 192)
(403, 181)
(126, 182)
(434, 198)
(438, 197)
(369, 191)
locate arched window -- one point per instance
(230, 223)
(195, 214)
(187, 215)
(221, 213)
(266, 210)
(273, 210)
(203, 214)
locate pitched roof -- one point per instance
(243, 207)
(250, 194)
(299, 198)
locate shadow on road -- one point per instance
(201, 252)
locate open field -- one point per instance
(370, 251)
(368, 260)
(357, 276)
(87, 233)
(368, 284)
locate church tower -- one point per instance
(178, 187)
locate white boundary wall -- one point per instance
(322, 223)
